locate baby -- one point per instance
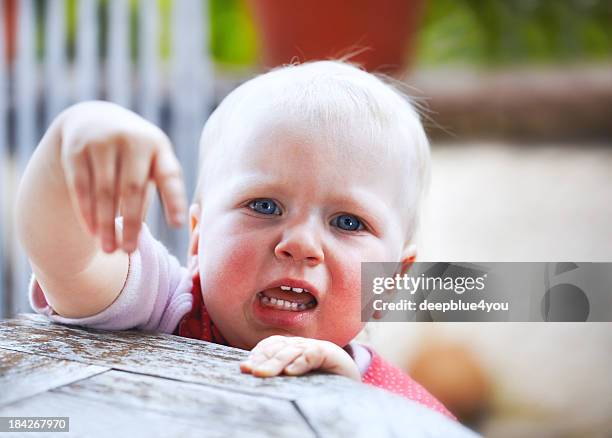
(305, 172)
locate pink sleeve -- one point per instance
(360, 354)
(156, 294)
(383, 375)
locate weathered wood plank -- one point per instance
(89, 418)
(330, 405)
(23, 375)
(160, 355)
(221, 410)
(376, 413)
(33, 320)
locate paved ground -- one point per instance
(495, 202)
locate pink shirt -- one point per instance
(157, 296)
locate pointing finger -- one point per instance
(133, 176)
(105, 186)
(168, 177)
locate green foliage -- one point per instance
(165, 11)
(233, 38)
(497, 32)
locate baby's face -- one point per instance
(286, 209)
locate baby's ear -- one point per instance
(194, 234)
(194, 216)
(408, 258)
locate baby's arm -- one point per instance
(294, 356)
(94, 157)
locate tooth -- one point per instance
(301, 306)
(297, 289)
(285, 288)
(273, 300)
(287, 305)
(265, 300)
(294, 306)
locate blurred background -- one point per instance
(516, 97)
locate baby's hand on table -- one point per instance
(109, 155)
(295, 356)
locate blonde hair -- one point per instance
(332, 98)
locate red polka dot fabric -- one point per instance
(386, 376)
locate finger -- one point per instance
(79, 177)
(258, 357)
(168, 177)
(277, 363)
(134, 170)
(104, 163)
(246, 366)
(310, 359)
(264, 350)
(267, 348)
(270, 340)
(298, 367)
(264, 344)
(150, 195)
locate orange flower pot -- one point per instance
(380, 33)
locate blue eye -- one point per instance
(347, 222)
(265, 206)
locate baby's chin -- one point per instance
(254, 331)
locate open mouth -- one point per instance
(286, 298)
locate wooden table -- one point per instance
(154, 385)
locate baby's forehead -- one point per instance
(344, 143)
(329, 135)
(293, 152)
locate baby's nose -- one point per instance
(300, 243)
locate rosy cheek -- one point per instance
(346, 284)
(342, 310)
(347, 300)
(229, 259)
(351, 283)
(239, 255)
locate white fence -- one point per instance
(176, 94)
